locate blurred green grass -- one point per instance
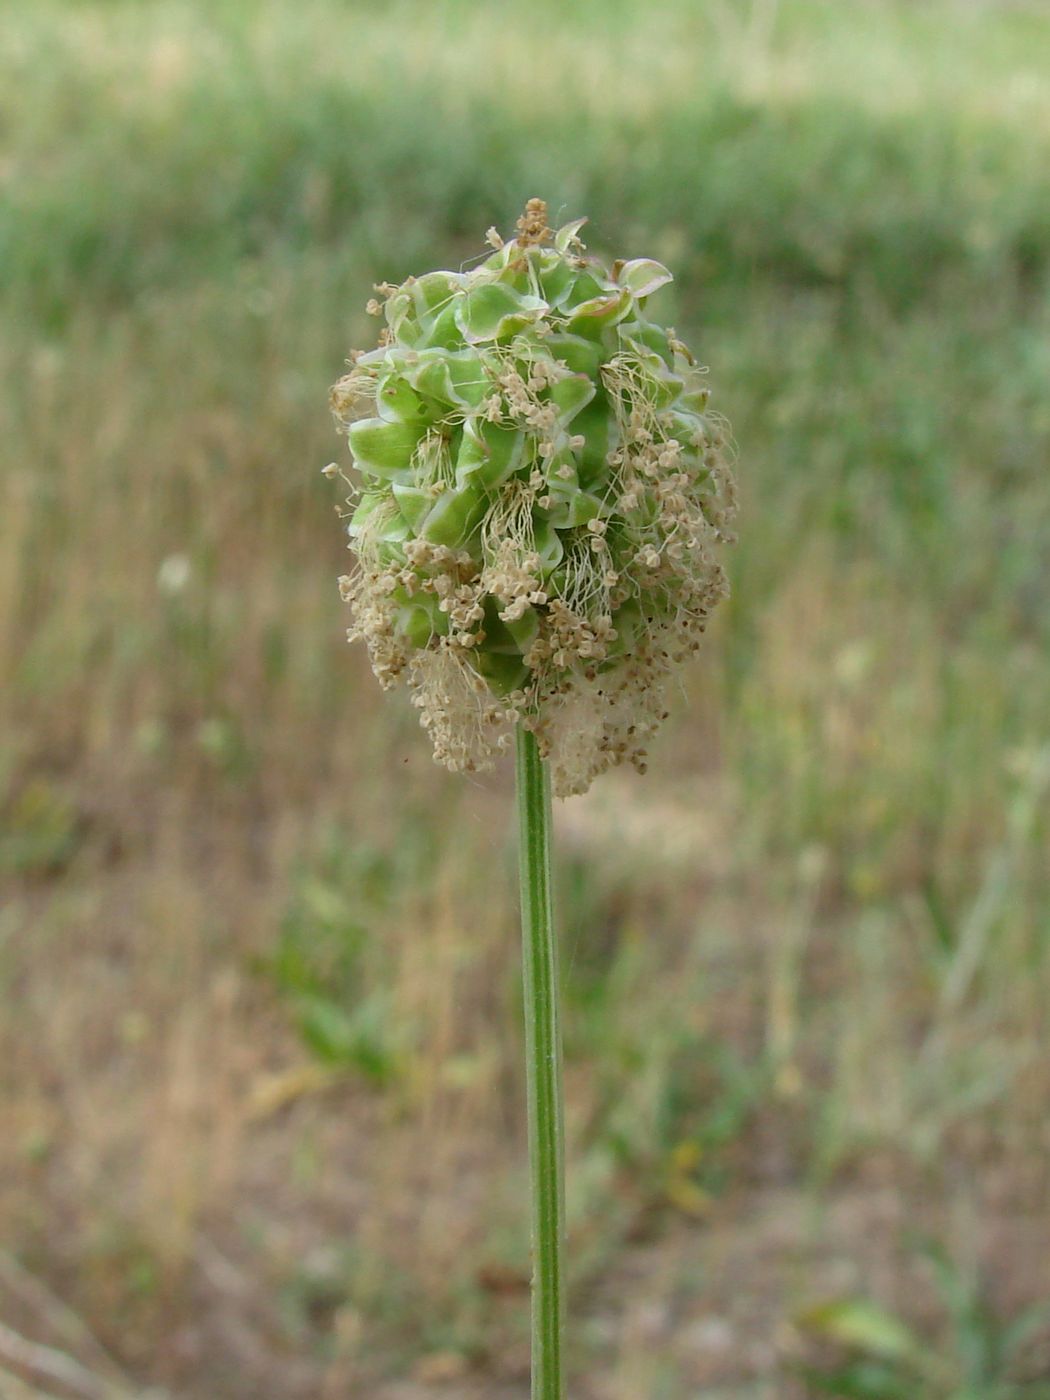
(818, 950)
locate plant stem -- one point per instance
(543, 1069)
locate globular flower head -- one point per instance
(542, 482)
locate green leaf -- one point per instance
(384, 449)
(643, 276)
(862, 1325)
(1019, 1333)
(494, 311)
(862, 1380)
(356, 1037)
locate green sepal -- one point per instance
(495, 311)
(504, 673)
(643, 276)
(627, 620)
(454, 517)
(433, 294)
(401, 317)
(591, 317)
(570, 396)
(695, 401)
(384, 449)
(586, 287)
(524, 629)
(398, 402)
(581, 355)
(575, 509)
(647, 335)
(502, 638)
(592, 422)
(390, 553)
(561, 459)
(452, 377)
(367, 506)
(565, 235)
(488, 455)
(414, 503)
(420, 620)
(686, 427)
(660, 385)
(548, 546)
(500, 259)
(386, 539)
(557, 279)
(444, 332)
(416, 312)
(521, 272)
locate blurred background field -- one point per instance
(262, 1121)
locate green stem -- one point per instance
(543, 1067)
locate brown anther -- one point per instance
(532, 226)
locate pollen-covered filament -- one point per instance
(542, 484)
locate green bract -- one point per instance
(541, 482)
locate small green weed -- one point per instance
(328, 962)
(40, 830)
(976, 1354)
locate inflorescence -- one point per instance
(542, 482)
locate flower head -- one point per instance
(542, 484)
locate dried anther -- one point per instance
(532, 226)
